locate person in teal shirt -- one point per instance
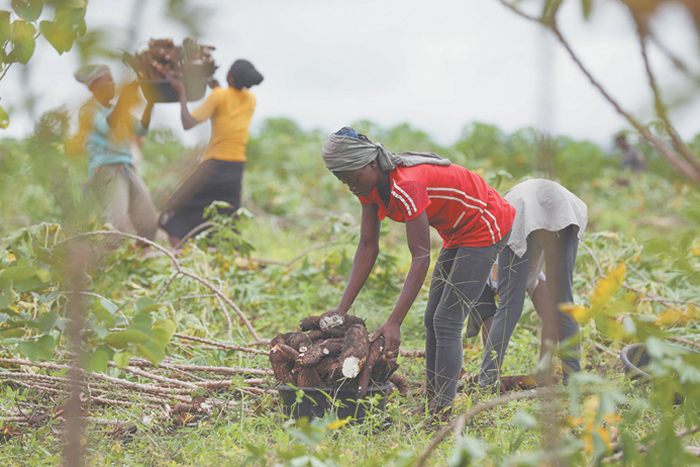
(107, 131)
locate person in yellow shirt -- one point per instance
(220, 175)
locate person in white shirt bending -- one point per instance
(549, 222)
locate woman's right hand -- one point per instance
(177, 84)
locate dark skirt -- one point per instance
(213, 180)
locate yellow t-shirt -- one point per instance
(230, 111)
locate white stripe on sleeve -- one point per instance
(406, 195)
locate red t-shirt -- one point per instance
(460, 205)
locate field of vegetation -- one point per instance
(167, 338)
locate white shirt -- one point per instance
(540, 205)
(543, 205)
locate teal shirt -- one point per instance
(101, 146)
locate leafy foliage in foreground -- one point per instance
(296, 204)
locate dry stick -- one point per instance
(161, 379)
(115, 381)
(166, 286)
(602, 348)
(17, 377)
(462, 419)
(412, 353)
(662, 300)
(642, 448)
(685, 341)
(177, 265)
(189, 297)
(140, 387)
(595, 260)
(222, 345)
(228, 317)
(191, 233)
(40, 387)
(210, 369)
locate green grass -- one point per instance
(297, 205)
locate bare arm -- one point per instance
(121, 111)
(146, 117)
(418, 237)
(188, 121)
(365, 256)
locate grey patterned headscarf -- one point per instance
(344, 152)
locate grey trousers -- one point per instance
(560, 250)
(459, 277)
(126, 203)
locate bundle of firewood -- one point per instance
(163, 58)
(333, 350)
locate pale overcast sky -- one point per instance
(438, 65)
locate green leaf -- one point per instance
(4, 119)
(146, 305)
(685, 243)
(17, 332)
(29, 10)
(23, 44)
(47, 321)
(99, 359)
(587, 6)
(82, 28)
(109, 306)
(74, 3)
(123, 338)
(46, 345)
(657, 246)
(142, 323)
(6, 299)
(102, 314)
(163, 332)
(152, 352)
(101, 331)
(18, 273)
(4, 26)
(122, 359)
(58, 35)
(43, 274)
(550, 9)
(29, 349)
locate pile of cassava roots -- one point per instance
(333, 350)
(163, 58)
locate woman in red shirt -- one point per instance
(421, 190)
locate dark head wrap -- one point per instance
(244, 74)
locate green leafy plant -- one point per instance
(21, 26)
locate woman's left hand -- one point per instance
(391, 333)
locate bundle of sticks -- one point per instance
(163, 59)
(331, 350)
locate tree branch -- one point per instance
(462, 419)
(178, 267)
(659, 105)
(684, 167)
